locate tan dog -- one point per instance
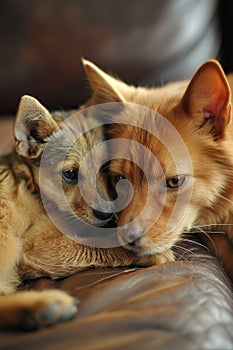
(200, 111)
(31, 244)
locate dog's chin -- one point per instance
(136, 249)
(143, 250)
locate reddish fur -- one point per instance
(200, 110)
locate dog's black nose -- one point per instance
(130, 235)
(102, 215)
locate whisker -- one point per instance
(185, 250)
(195, 242)
(208, 236)
(210, 225)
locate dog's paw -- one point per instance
(31, 310)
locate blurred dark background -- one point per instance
(142, 41)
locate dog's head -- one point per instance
(58, 154)
(175, 188)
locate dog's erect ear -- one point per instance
(105, 87)
(32, 127)
(208, 99)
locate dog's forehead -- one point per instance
(71, 142)
(85, 145)
(150, 130)
(156, 144)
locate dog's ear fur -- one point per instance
(208, 99)
(32, 127)
(105, 87)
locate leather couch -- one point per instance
(186, 304)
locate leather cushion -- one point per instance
(186, 304)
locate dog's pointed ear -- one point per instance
(105, 87)
(32, 127)
(208, 99)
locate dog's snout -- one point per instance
(130, 235)
(102, 215)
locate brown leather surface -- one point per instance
(186, 304)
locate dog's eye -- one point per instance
(117, 178)
(70, 176)
(175, 181)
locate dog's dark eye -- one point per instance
(175, 181)
(70, 176)
(117, 178)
